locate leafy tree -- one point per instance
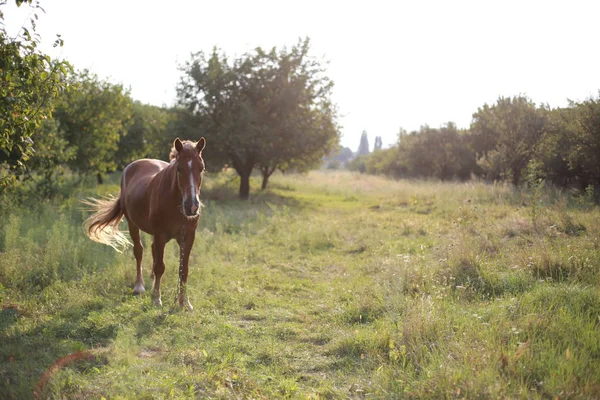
(584, 153)
(210, 91)
(131, 144)
(52, 152)
(505, 136)
(363, 147)
(570, 146)
(148, 134)
(298, 117)
(345, 154)
(340, 158)
(359, 164)
(29, 81)
(552, 150)
(183, 124)
(439, 153)
(265, 109)
(384, 162)
(94, 116)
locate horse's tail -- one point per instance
(103, 225)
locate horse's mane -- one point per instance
(173, 153)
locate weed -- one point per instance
(536, 184)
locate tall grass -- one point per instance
(327, 285)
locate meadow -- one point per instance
(326, 285)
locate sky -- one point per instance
(395, 64)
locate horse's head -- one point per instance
(190, 170)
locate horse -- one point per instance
(161, 199)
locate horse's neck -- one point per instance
(167, 183)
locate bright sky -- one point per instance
(394, 63)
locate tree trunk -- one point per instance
(100, 178)
(244, 170)
(266, 174)
(516, 176)
(245, 186)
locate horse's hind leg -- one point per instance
(138, 251)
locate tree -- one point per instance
(298, 117)
(52, 152)
(210, 90)
(339, 158)
(384, 162)
(363, 147)
(439, 153)
(148, 134)
(265, 109)
(505, 136)
(94, 116)
(29, 81)
(552, 150)
(582, 128)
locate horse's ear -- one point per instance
(200, 145)
(178, 145)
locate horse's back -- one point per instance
(141, 170)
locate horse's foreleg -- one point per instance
(185, 249)
(138, 251)
(158, 267)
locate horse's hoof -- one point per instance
(157, 302)
(184, 304)
(138, 289)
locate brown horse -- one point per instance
(161, 199)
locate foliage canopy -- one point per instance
(267, 109)
(29, 81)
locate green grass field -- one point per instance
(327, 285)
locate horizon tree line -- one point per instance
(505, 142)
(264, 110)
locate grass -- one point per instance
(327, 285)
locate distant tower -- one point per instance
(378, 143)
(363, 147)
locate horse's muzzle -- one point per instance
(191, 207)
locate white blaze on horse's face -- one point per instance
(190, 168)
(190, 179)
(192, 182)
